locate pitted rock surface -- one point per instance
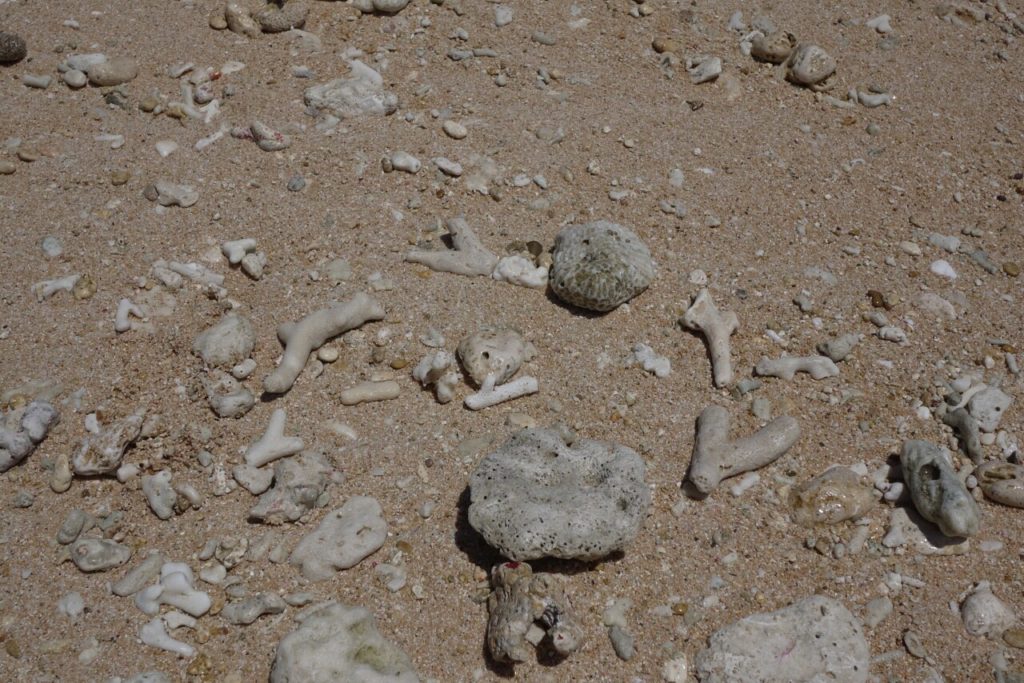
(538, 496)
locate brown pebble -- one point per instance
(663, 45)
(399, 363)
(217, 20)
(28, 154)
(7, 167)
(1014, 637)
(84, 288)
(149, 104)
(877, 298)
(1011, 269)
(12, 648)
(680, 609)
(119, 177)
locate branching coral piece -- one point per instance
(311, 332)
(470, 256)
(716, 458)
(716, 327)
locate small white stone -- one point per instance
(502, 15)
(166, 147)
(943, 269)
(454, 130)
(73, 78)
(405, 162)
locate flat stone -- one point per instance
(344, 538)
(815, 639)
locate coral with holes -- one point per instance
(528, 610)
(494, 351)
(599, 265)
(541, 495)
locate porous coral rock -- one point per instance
(494, 351)
(540, 496)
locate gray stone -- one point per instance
(541, 496)
(361, 93)
(99, 554)
(298, 483)
(159, 494)
(966, 428)
(113, 72)
(988, 406)
(335, 643)
(493, 350)
(23, 429)
(227, 396)
(255, 480)
(877, 611)
(227, 343)
(73, 525)
(599, 265)
(102, 453)
(937, 491)
(140, 576)
(622, 642)
(245, 612)
(839, 348)
(810, 66)
(984, 614)
(815, 639)
(344, 538)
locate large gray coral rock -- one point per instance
(599, 265)
(539, 496)
(335, 643)
(815, 640)
(937, 491)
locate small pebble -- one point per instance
(943, 269)
(1011, 269)
(454, 129)
(73, 78)
(542, 38)
(36, 81)
(7, 167)
(296, 183)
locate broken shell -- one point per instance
(1002, 482)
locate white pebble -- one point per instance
(943, 269)
(166, 147)
(454, 130)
